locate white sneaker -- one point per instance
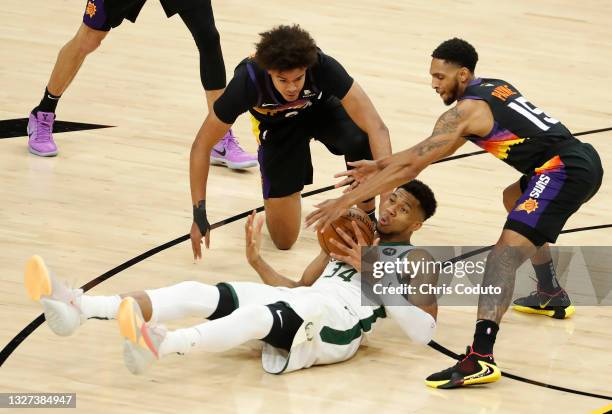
(142, 339)
(60, 303)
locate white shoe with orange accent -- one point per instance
(60, 302)
(142, 339)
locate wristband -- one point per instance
(199, 217)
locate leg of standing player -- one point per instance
(552, 194)
(549, 291)
(96, 24)
(200, 21)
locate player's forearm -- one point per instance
(199, 164)
(315, 269)
(380, 144)
(270, 276)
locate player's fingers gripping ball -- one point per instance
(355, 214)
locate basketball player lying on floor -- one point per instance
(316, 320)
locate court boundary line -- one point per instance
(32, 326)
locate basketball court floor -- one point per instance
(114, 193)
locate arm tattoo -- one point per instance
(446, 124)
(430, 144)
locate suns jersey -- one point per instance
(270, 107)
(523, 136)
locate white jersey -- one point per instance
(335, 322)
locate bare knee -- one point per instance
(513, 247)
(283, 216)
(87, 40)
(283, 238)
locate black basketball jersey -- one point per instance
(251, 89)
(270, 106)
(523, 136)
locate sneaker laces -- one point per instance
(63, 291)
(539, 292)
(44, 131)
(231, 142)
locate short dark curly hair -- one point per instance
(285, 48)
(423, 193)
(457, 51)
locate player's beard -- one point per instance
(452, 95)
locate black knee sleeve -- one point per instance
(285, 326)
(359, 149)
(227, 302)
(201, 23)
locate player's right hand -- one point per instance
(351, 248)
(196, 241)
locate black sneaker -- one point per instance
(472, 369)
(556, 305)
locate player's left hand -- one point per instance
(326, 212)
(362, 170)
(252, 230)
(353, 250)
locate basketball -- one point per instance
(355, 214)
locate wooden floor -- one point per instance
(114, 193)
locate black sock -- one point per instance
(484, 336)
(547, 277)
(48, 103)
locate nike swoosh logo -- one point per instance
(221, 153)
(278, 312)
(265, 105)
(486, 370)
(543, 306)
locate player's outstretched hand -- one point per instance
(352, 252)
(326, 213)
(252, 230)
(362, 170)
(196, 241)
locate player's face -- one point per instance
(401, 212)
(289, 82)
(445, 79)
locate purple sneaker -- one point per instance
(40, 127)
(229, 153)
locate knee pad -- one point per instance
(285, 326)
(227, 302)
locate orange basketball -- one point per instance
(344, 222)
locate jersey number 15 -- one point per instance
(532, 113)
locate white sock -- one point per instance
(183, 300)
(242, 325)
(104, 307)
